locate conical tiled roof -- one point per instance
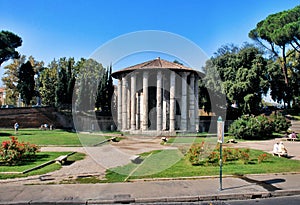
(154, 64)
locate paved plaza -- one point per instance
(46, 188)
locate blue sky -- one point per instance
(76, 28)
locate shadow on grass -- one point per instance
(39, 157)
(5, 134)
(26, 133)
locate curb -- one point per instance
(208, 177)
(201, 198)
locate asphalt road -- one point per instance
(287, 200)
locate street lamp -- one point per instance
(37, 84)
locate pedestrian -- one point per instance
(276, 148)
(16, 126)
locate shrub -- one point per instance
(245, 156)
(251, 127)
(13, 152)
(262, 158)
(201, 154)
(281, 124)
(258, 127)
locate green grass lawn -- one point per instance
(183, 168)
(195, 139)
(53, 137)
(41, 157)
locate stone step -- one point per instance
(295, 126)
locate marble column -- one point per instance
(119, 104)
(159, 101)
(141, 110)
(164, 107)
(124, 103)
(172, 102)
(137, 123)
(183, 124)
(197, 102)
(133, 102)
(128, 106)
(145, 100)
(192, 103)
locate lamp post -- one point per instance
(37, 84)
(220, 135)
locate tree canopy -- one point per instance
(8, 44)
(242, 77)
(280, 34)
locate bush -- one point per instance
(13, 152)
(202, 154)
(251, 127)
(258, 127)
(262, 157)
(281, 124)
(198, 154)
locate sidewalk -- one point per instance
(204, 189)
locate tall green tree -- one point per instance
(91, 74)
(10, 80)
(279, 33)
(294, 76)
(243, 77)
(26, 82)
(101, 94)
(105, 91)
(110, 92)
(8, 44)
(48, 81)
(66, 75)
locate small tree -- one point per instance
(26, 82)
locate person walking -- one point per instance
(16, 126)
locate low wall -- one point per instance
(29, 117)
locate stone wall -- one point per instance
(29, 117)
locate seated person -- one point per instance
(276, 148)
(282, 151)
(293, 135)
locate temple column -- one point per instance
(192, 103)
(172, 102)
(141, 110)
(145, 100)
(124, 103)
(137, 111)
(183, 125)
(158, 102)
(197, 102)
(164, 107)
(128, 105)
(119, 104)
(133, 97)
